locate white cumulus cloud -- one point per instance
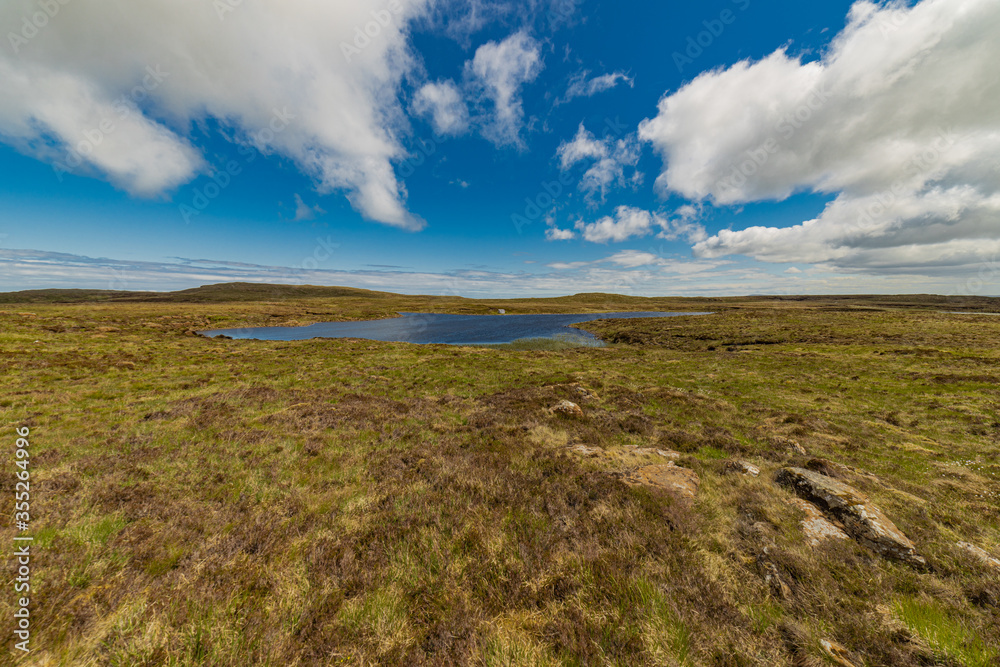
(498, 71)
(684, 224)
(629, 222)
(556, 234)
(898, 120)
(491, 84)
(442, 101)
(331, 70)
(626, 222)
(79, 126)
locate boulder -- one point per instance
(742, 467)
(816, 526)
(862, 520)
(682, 482)
(568, 409)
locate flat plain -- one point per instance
(235, 502)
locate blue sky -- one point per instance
(502, 149)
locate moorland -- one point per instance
(203, 501)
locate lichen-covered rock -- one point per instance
(568, 409)
(585, 451)
(980, 554)
(817, 527)
(862, 520)
(682, 482)
(742, 467)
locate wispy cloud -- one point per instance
(582, 84)
(304, 211)
(607, 159)
(633, 259)
(632, 272)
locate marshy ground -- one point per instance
(235, 502)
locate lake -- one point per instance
(427, 328)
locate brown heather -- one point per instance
(347, 502)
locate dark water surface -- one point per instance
(438, 328)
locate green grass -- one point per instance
(199, 501)
(554, 343)
(947, 635)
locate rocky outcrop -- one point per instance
(627, 456)
(653, 451)
(682, 482)
(861, 520)
(817, 528)
(568, 409)
(980, 554)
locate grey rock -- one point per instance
(817, 527)
(861, 520)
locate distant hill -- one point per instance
(72, 296)
(248, 292)
(219, 293)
